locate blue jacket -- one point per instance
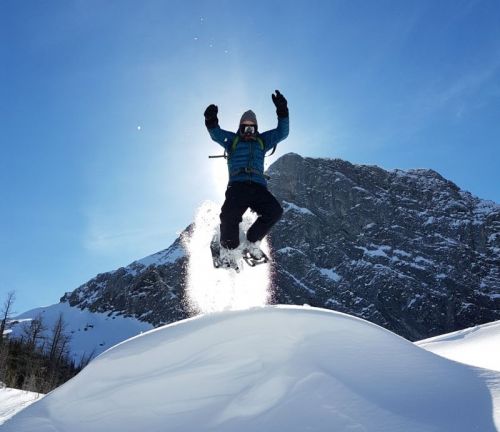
(249, 155)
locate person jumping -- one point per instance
(247, 187)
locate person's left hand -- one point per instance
(281, 104)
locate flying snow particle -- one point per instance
(139, 128)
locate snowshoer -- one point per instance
(247, 187)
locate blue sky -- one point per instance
(103, 145)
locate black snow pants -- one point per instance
(239, 197)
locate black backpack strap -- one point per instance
(274, 149)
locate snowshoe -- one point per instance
(253, 255)
(224, 258)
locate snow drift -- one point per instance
(271, 368)
(14, 400)
(477, 346)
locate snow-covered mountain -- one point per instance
(150, 289)
(91, 332)
(272, 368)
(407, 250)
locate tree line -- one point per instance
(38, 359)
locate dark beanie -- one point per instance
(249, 116)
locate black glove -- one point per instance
(211, 119)
(281, 104)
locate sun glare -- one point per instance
(219, 176)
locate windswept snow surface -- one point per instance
(476, 346)
(12, 401)
(269, 369)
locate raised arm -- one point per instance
(272, 137)
(220, 136)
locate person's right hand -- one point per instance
(210, 114)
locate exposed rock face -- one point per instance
(151, 289)
(405, 249)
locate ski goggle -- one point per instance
(248, 129)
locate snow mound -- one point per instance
(477, 346)
(270, 369)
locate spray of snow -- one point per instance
(213, 290)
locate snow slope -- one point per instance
(12, 401)
(269, 369)
(476, 346)
(90, 331)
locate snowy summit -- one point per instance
(269, 369)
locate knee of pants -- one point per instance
(273, 215)
(276, 213)
(280, 212)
